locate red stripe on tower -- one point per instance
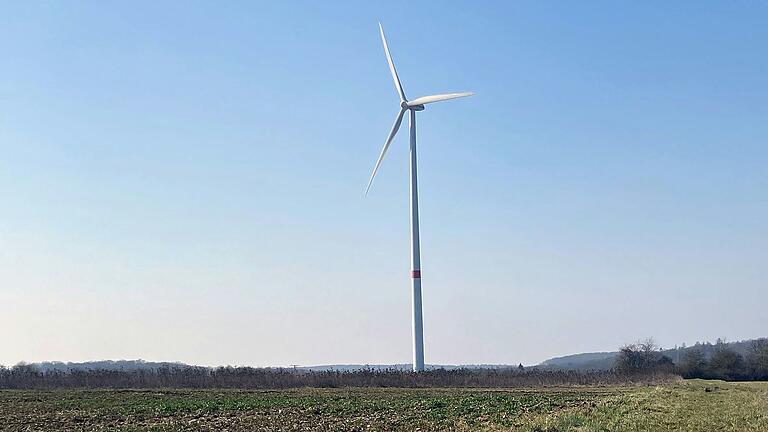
(416, 274)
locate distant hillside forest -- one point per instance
(735, 361)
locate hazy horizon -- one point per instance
(616, 349)
(184, 181)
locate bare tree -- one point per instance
(640, 356)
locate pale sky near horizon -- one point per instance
(183, 181)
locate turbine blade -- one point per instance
(437, 98)
(391, 136)
(398, 86)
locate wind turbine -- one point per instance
(411, 106)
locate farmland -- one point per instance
(690, 406)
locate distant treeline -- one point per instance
(24, 376)
(638, 363)
(708, 361)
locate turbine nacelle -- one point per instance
(405, 105)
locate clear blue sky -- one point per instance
(184, 181)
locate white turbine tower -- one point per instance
(411, 106)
